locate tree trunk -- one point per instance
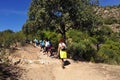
(63, 31)
(64, 35)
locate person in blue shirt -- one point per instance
(42, 44)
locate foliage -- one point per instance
(115, 37)
(20, 37)
(110, 21)
(102, 47)
(102, 34)
(8, 37)
(110, 52)
(60, 15)
(80, 45)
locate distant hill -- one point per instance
(108, 12)
(111, 16)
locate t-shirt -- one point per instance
(47, 44)
(62, 46)
(42, 43)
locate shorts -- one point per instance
(46, 49)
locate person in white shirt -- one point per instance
(62, 51)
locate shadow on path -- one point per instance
(9, 72)
(66, 62)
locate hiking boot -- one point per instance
(63, 65)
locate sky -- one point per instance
(109, 2)
(13, 13)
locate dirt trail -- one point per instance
(41, 67)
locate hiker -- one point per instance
(47, 46)
(36, 42)
(62, 51)
(50, 49)
(42, 44)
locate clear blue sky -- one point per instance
(109, 2)
(13, 13)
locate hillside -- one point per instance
(36, 66)
(108, 12)
(111, 16)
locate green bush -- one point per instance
(110, 21)
(20, 37)
(115, 37)
(102, 34)
(80, 46)
(106, 30)
(8, 38)
(119, 21)
(109, 52)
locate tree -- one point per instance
(61, 15)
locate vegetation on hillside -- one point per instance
(89, 35)
(9, 40)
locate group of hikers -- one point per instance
(46, 47)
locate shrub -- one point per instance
(8, 40)
(102, 34)
(115, 37)
(109, 52)
(80, 46)
(20, 37)
(110, 21)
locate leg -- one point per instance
(62, 62)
